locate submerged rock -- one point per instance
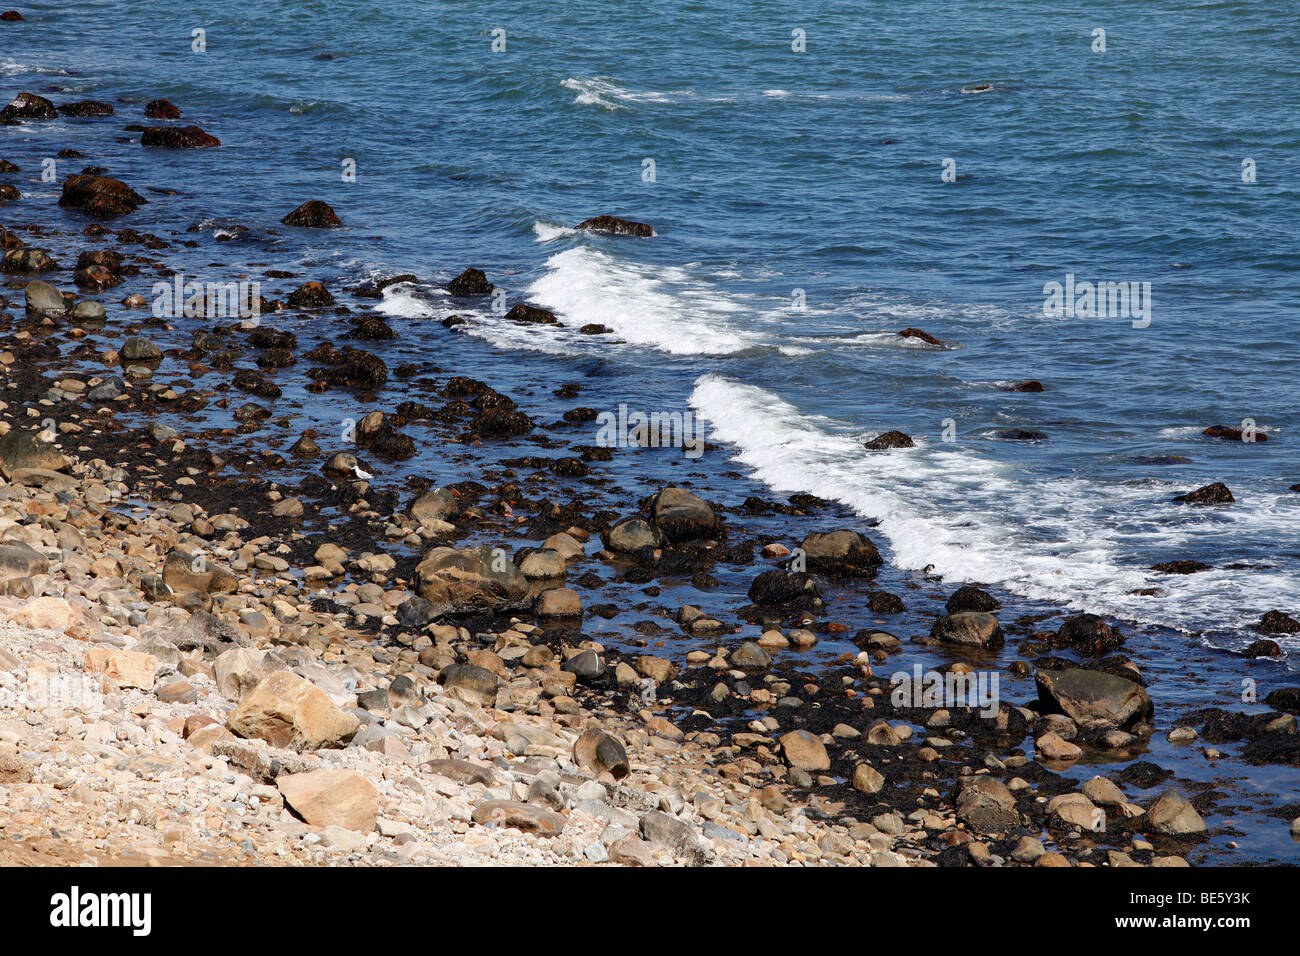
(178, 137)
(100, 196)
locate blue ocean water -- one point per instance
(803, 218)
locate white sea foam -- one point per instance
(604, 92)
(549, 231)
(973, 519)
(662, 308)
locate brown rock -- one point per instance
(331, 798)
(289, 711)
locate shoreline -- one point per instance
(774, 757)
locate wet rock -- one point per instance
(26, 261)
(920, 335)
(325, 798)
(471, 282)
(969, 598)
(1020, 434)
(598, 751)
(681, 515)
(1032, 385)
(559, 602)
(29, 106)
(750, 657)
(1233, 434)
(471, 581)
(1093, 699)
(1263, 648)
(971, 628)
(87, 108)
(313, 214)
(1275, 622)
(1213, 494)
(500, 423)
(42, 297)
(1173, 815)
(99, 196)
(178, 137)
(882, 602)
(617, 227)
(353, 368)
(890, 439)
(139, 349)
(792, 589)
(310, 295)
(162, 109)
(532, 315)
(1181, 567)
(843, 553)
(1088, 634)
(434, 506)
(631, 534)
(290, 711)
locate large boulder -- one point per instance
(1093, 698)
(471, 581)
(971, 628)
(681, 515)
(290, 711)
(22, 450)
(325, 798)
(99, 196)
(844, 553)
(1088, 634)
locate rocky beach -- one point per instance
(285, 581)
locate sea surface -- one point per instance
(803, 218)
